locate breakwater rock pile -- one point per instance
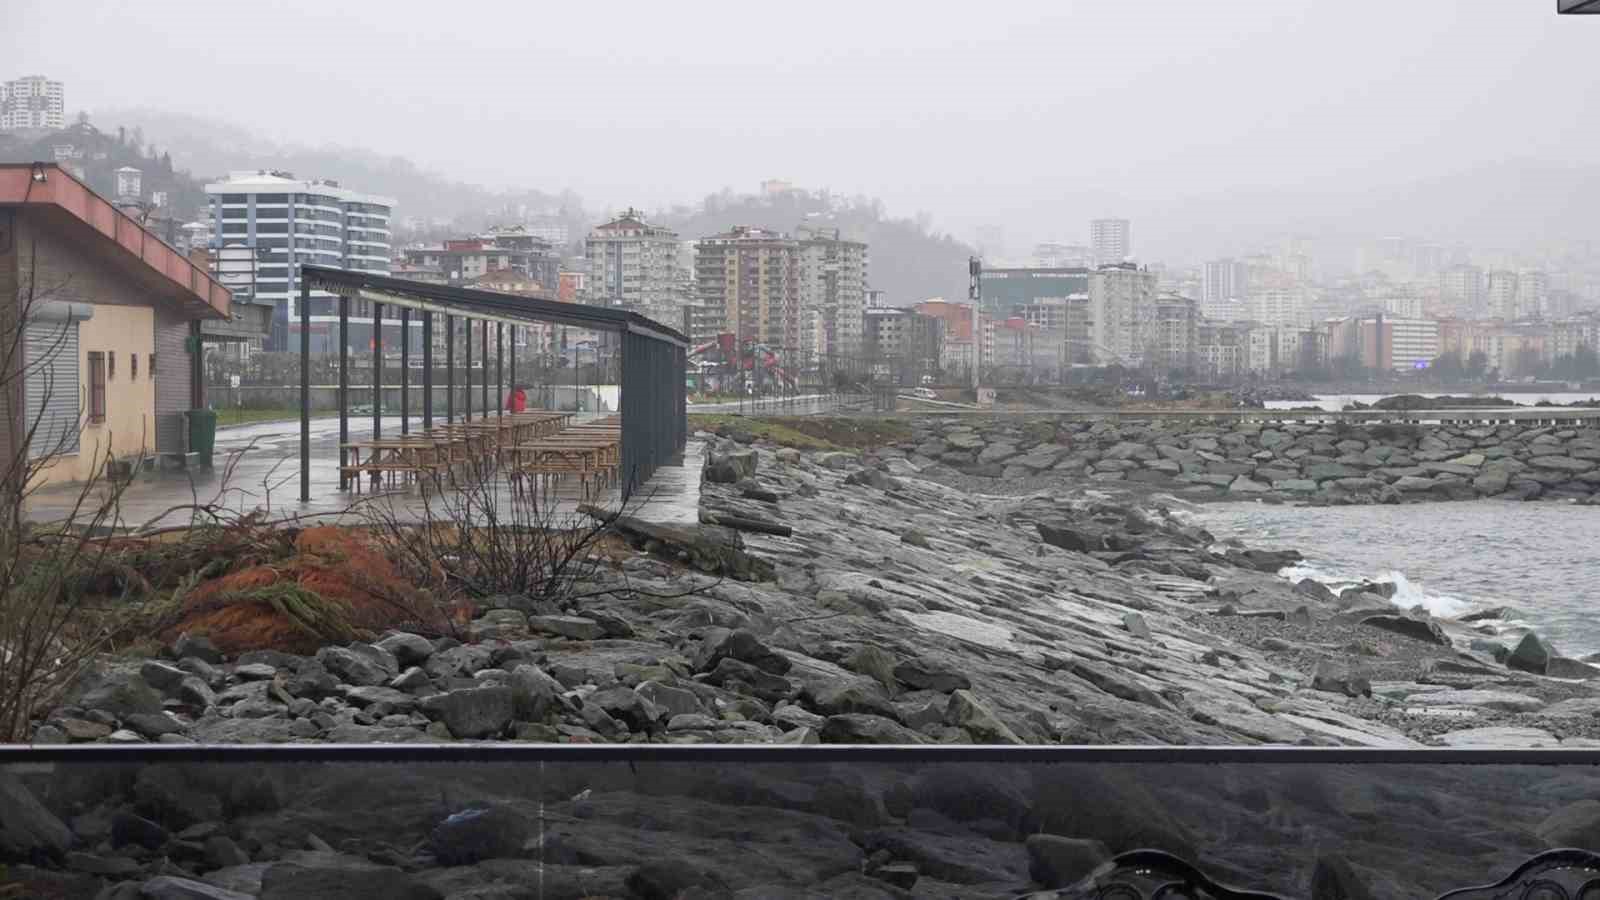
(1286, 461)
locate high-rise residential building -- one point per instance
(833, 287)
(33, 101)
(1176, 319)
(1109, 241)
(901, 344)
(1122, 314)
(468, 261)
(1533, 295)
(753, 276)
(632, 264)
(1501, 295)
(1405, 306)
(1461, 287)
(1280, 307)
(1225, 280)
(1056, 255)
(283, 221)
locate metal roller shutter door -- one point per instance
(53, 396)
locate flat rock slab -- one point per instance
(1502, 736)
(1501, 700)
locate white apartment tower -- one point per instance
(285, 220)
(634, 265)
(833, 285)
(1109, 241)
(1502, 295)
(1122, 314)
(1225, 279)
(33, 101)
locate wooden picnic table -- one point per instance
(404, 457)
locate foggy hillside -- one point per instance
(909, 261)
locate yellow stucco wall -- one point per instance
(129, 427)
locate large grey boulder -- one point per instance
(1416, 629)
(478, 712)
(740, 644)
(729, 468)
(863, 728)
(27, 829)
(473, 835)
(967, 711)
(1531, 655)
(355, 668)
(170, 887)
(1057, 862)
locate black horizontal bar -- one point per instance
(490, 752)
(471, 300)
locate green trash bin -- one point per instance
(203, 433)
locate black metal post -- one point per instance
(344, 389)
(514, 356)
(405, 370)
(500, 367)
(485, 385)
(305, 389)
(377, 370)
(427, 371)
(468, 342)
(449, 369)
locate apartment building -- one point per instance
(32, 101)
(1224, 281)
(901, 344)
(1462, 288)
(1501, 295)
(833, 288)
(633, 265)
(1221, 348)
(1110, 241)
(1176, 321)
(284, 220)
(1121, 314)
(753, 276)
(1280, 307)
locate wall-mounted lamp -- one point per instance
(38, 173)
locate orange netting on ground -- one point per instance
(336, 585)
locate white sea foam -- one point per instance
(1406, 595)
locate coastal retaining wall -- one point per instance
(1333, 462)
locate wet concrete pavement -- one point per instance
(257, 467)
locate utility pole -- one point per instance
(975, 297)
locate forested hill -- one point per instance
(210, 148)
(179, 153)
(909, 261)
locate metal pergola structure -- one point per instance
(652, 404)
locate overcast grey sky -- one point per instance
(1033, 115)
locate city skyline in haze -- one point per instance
(1032, 116)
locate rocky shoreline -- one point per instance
(862, 602)
(1301, 462)
(859, 602)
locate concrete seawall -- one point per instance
(1537, 454)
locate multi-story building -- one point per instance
(1055, 255)
(286, 220)
(753, 276)
(467, 260)
(543, 259)
(632, 265)
(701, 324)
(1405, 306)
(833, 286)
(1174, 345)
(33, 101)
(1007, 291)
(1280, 307)
(1224, 281)
(1461, 288)
(1109, 241)
(1501, 295)
(900, 344)
(1567, 335)
(130, 183)
(1533, 295)
(1381, 342)
(1220, 348)
(1121, 314)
